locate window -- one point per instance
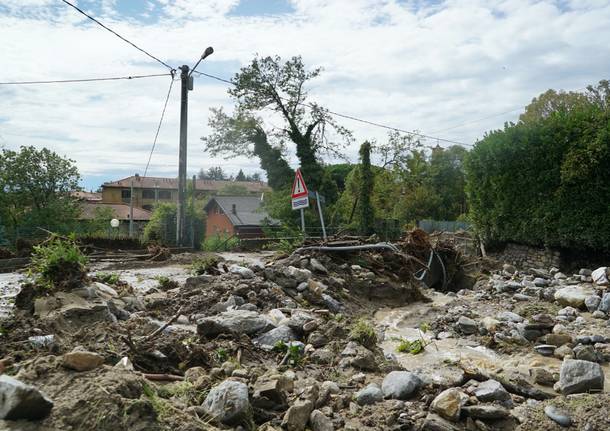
(165, 194)
(148, 194)
(126, 193)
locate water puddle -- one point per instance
(440, 358)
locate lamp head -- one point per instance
(208, 51)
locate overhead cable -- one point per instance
(68, 81)
(171, 84)
(118, 35)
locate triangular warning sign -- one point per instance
(299, 189)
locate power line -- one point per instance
(65, 81)
(171, 84)
(351, 117)
(118, 35)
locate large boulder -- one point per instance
(228, 403)
(449, 403)
(233, 322)
(574, 296)
(577, 376)
(82, 360)
(600, 276)
(604, 304)
(269, 339)
(297, 415)
(400, 385)
(369, 395)
(320, 422)
(21, 401)
(491, 390)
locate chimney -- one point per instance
(234, 209)
(137, 177)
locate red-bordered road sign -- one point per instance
(299, 189)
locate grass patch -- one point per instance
(108, 277)
(58, 263)
(364, 333)
(166, 283)
(205, 265)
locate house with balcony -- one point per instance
(149, 190)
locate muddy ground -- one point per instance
(309, 341)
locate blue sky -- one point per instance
(437, 67)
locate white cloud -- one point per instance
(402, 63)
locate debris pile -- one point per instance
(298, 343)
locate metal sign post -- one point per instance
(300, 196)
(321, 215)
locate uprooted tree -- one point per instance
(271, 85)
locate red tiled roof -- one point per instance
(172, 184)
(120, 211)
(87, 196)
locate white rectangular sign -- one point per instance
(299, 203)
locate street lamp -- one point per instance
(208, 51)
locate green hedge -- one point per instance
(545, 182)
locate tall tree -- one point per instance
(35, 190)
(213, 173)
(241, 176)
(269, 84)
(367, 215)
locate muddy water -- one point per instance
(440, 357)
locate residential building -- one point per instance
(243, 216)
(148, 190)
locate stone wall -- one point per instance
(525, 257)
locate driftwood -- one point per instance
(162, 328)
(162, 377)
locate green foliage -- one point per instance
(213, 173)
(221, 354)
(108, 277)
(413, 347)
(546, 181)
(166, 283)
(35, 191)
(218, 243)
(205, 265)
(100, 224)
(269, 83)
(364, 333)
(161, 226)
(293, 351)
(58, 263)
(338, 173)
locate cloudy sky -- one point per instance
(438, 67)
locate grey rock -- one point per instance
(561, 417)
(574, 295)
(586, 353)
(597, 314)
(297, 415)
(508, 268)
(233, 302)
(269, 339)
(486, 411)
(434, 422)
(298, 319)
(545, 349)
(248, 307)
(522, 297)
(491, 390)
(228, 403)
(592, 302)
(604, 304)
(578, 376)
(400, 385)
(467, 326)
(233, 322)
(600, 276)
(585, 272)
(370, 395)
(243, 272)
(541, 282)
(320, 422)
(21, 401)
(82, 360)
(509, 316)
(317, 266)
(331, 303)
